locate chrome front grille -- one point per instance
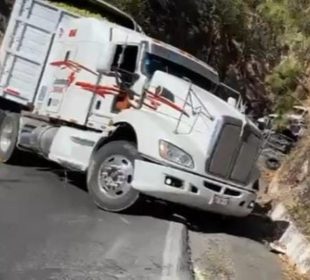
(235, 151)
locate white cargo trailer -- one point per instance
(137, 115)
(27, 44)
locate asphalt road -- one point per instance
(50, 229)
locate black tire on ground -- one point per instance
(112, 158)
(2, 115)
(273, 163)
(9, 127)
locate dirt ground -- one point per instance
(289, 271)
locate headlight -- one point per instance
(175, 154)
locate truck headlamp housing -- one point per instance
(174, 154)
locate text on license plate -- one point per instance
(219, 200)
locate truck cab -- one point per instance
(176, 140)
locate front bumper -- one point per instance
(192, 190)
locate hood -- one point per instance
(200, 98)
(197, 131)
(216, 106)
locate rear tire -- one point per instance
(110, 176)
(9, 127)
(2, 115)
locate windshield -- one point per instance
(153, 63)
(224, 92)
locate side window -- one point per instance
(165, 93)
(129, 58)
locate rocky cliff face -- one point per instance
(5, 8)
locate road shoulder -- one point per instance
(227, 257)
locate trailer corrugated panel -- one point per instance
(26, 46)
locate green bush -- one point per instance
(72, 8)
(284, 78)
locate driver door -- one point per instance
(103, 108)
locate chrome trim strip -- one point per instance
(216, 138)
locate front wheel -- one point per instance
(110, 176)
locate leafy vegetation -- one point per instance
(291, 26)
(76, 10)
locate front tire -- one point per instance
(9, 128)
(110, 176)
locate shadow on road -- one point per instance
(258, 226)
(26, 159)
(77, 179)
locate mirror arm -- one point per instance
(141, 101)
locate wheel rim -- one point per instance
(115, 176)
(6, 136)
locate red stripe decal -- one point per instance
(72, 65)
(12, 92)
(72, 32)
(100, 90)
(156, 97)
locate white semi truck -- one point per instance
(137, 115)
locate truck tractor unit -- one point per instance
(138, 116)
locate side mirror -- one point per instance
(232, 101)
(106, 58)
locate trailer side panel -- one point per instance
(26, 46)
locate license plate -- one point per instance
(219, 200)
